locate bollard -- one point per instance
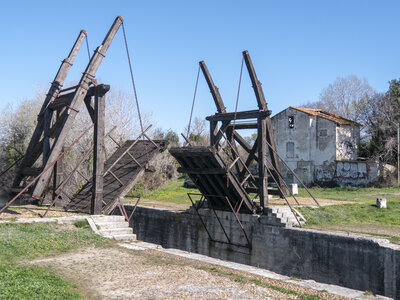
(381, 203)
(294, 189)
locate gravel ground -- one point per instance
(117, 273)
(32, 211)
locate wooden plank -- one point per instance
(220, 185)
(201, 171)
(244, 126)
(65, 99)
(250, 114)
(126, 170)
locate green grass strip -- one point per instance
(28, 282)
(27, 241)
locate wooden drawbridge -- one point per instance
(121, 172)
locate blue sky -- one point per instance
(297, 47)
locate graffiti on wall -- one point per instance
(351, 170)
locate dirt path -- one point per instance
(368, 229)
(183, 206)
(115, 273)
(33, 211)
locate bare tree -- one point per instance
(345, 97)
(198, 132)
(17, 125)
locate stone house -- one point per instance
(320, 147)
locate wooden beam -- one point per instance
(65, 99)
(51, 95)
(213, 89)
(242, 142)
(221, 131)
(205, 171)
(90, 109)
(245, 126)
(250, 114)
(262, 163)
(98, 158)
(262, 104)
(80, 93)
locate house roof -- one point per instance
(326, 115)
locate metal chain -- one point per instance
(194, 99)
(134, 92)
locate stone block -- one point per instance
(381, 203)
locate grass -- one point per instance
(349, 193)
(173, 192)
(26, 282)
(27, 241)
(363, 213)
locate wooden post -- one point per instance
(213, 132)
(262, 161)
(98, 157)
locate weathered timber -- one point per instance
(262, 105)
(244, 126)
(88, 78)
(98, 153)
(215, 186)
(250, 114)
(201, 171)
(126, 170)
(262, 162)
(51, 95)
(213, 89)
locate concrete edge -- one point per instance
(92, 225)
(333, 289)
(382, 241)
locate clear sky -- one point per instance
(297, 47)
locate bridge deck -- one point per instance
(126, 170)
(210, 174)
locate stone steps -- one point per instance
(284, 217)
(113, 227)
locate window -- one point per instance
(323, 132)
(290, 149)
(291, 121)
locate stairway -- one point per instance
(283, 216)
(112, 227)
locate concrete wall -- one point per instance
(350, 261)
